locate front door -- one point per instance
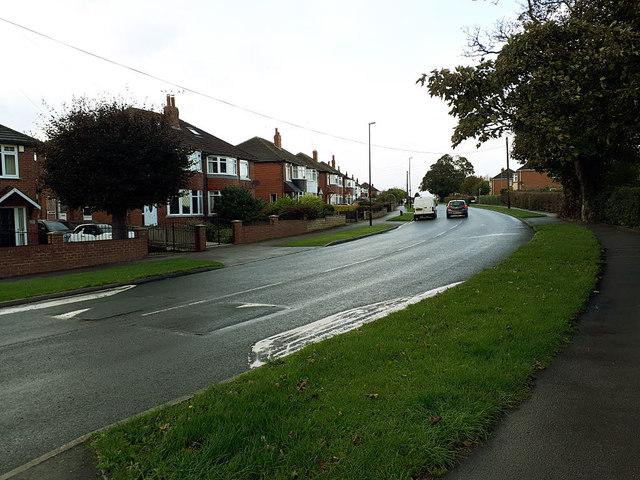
(150, 214)
(7, 228)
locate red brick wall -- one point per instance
(532, 180)
(28, 173)
(56, 256)
(497, 185)
(271, 177)
(281, 228)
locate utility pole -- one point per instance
(508, 176)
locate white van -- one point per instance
(425, 206)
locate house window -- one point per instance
(299, 172)
(244, 169)
(335, 180)
(221, 165)
(273, 197)
(195, 162)
(8, 161)
(312, 175)
(189, 202)
(13, 227)
(87, 214)
(287, 171)
(213, 196)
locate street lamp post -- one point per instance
(409, 183)
(370, 207)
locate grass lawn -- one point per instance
(398, 398)
(74, 281)
(405, 217)
(514, 212)
(322, 240)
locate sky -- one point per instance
(317, 70)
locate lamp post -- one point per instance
(370, 207)
(409, 183)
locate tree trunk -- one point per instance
(119, 223)
(587, 190)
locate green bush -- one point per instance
(237, 203)
(296, 212)
(276, 207)
(620, 207)
(527, 200)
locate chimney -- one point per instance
(333, 161)
(277, 139)
(315, 155)
(171, 112)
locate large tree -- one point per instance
(446, 175)
(107, 156)
(566, 83)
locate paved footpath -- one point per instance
(582, 420)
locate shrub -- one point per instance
(620, 207)
(237, 203)
(298, 211)
(278, 206)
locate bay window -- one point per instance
(221, 165)
(189, 202)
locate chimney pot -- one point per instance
(171, 112)
(315, 155)
(277, 139)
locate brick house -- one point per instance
(364, 191)
(19, 209)
(528, 179)
(501, 181)
(277, 171)
(215, 164)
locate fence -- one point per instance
(171, 238)
(219, 230)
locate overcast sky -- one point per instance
(329, 66)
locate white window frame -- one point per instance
(192, 195)
(19, 225)
(228, 164)
(312, 175)
(299, 173)
(287, 172)
(5, 151)
(244, 170)
(195, 162)
(335, 180)
(212, 195)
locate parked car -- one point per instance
(425, 205)
(48, 226)
(89, 232)
(457, 208)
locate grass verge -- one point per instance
(398, 398)
(106, 276)
(322, 240)
(405, 217)
(514, 212)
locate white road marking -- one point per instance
(293, 340)
(70, 315)
(208, 300)
(65, 301)
(352, 264)
(256, 305)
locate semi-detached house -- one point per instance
(19, 209)
(279, 172)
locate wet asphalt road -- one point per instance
(69, 369)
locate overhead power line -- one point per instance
(233, 105)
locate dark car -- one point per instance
(48, 226)
(457, 208)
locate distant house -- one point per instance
(19, 209)
(502, 181)
(279, 172)
(528, 179)
(365, 191)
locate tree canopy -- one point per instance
(446, 175)
(107, 156)
(566, 83)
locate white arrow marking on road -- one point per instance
(65, 301)
(67, 316)
(291, 341)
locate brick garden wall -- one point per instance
(281, 228)
(56, 256)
